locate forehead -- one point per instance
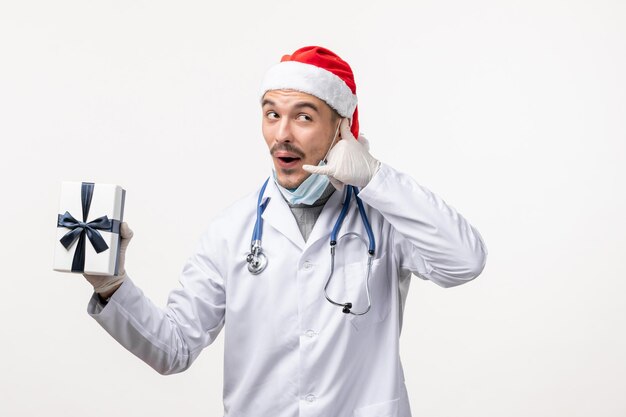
(288, 98)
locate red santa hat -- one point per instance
(317, 71)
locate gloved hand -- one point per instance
(349, 161)
(102, 284)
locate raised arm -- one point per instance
(431, 239)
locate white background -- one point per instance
(512, 111)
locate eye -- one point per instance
(271, 115)
(304, 117)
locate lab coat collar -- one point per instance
(279, 216)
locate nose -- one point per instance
(283, 133)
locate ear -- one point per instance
(348, 121)
(339, 129)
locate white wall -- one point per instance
(513, 111)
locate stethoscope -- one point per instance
(257, 261)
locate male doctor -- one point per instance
(306, 334)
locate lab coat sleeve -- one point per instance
(168, 339)
(428, 237)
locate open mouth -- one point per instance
(288, 159)
(287, 162)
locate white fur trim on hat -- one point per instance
(310, 79)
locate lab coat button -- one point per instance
(310, 398)
(310, 333)
(308, 265)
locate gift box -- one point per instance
(88, 228)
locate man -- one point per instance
(306, 334)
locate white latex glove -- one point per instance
(104, 283)
(349, 161)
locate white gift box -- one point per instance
(88, 228)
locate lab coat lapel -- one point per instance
(279, 216)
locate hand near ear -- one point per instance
(349, 161)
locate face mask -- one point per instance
(312, 188)
(308, 192)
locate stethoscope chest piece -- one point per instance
(256, 262)
(256, 259)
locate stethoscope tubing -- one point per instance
(366, 222)
(260, 208)
(257, 261)
(347, 306)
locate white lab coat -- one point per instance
(288, 351)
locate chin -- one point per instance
(290, 181)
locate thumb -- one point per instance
(322, 170)
(126, 234)
(125, 231)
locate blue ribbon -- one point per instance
(80, 229)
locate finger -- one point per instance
(125, 231)
(322, 170)
(363, 141)
(345, 129)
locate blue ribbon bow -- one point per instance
(80, 229)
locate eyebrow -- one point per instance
(298, 105)
(303, 104)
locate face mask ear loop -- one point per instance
(332, 143)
